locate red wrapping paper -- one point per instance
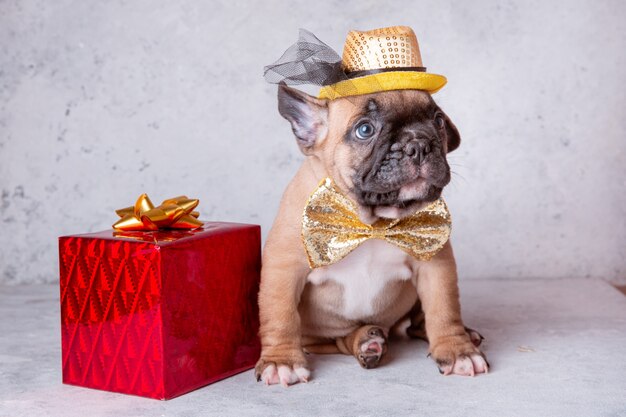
(159, 314)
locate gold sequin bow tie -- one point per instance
(331, 228)
(173, 213)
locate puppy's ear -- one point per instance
(308, 116)
(453, 138)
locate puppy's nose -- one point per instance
(417, 149)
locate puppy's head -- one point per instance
(386, 151)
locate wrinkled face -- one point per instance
(386, 151)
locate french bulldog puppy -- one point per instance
(387, 152)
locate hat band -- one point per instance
(361, 73)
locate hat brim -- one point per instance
(384, 81)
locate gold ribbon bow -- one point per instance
(173, 213)
(331, 228)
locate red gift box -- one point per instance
(159, 314)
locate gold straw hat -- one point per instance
(377, 60)
(382, 60)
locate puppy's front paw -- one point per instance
(282, 369)
(458, 355)
(284, 374)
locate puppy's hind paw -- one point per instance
(372, 348)
(475, 337)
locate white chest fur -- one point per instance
(364, 273)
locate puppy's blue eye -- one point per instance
(365, 130)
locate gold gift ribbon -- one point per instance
(173, 213)
(331, 228)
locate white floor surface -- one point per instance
(556, 347)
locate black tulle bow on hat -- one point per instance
(308, 61)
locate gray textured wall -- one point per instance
(101, 101)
